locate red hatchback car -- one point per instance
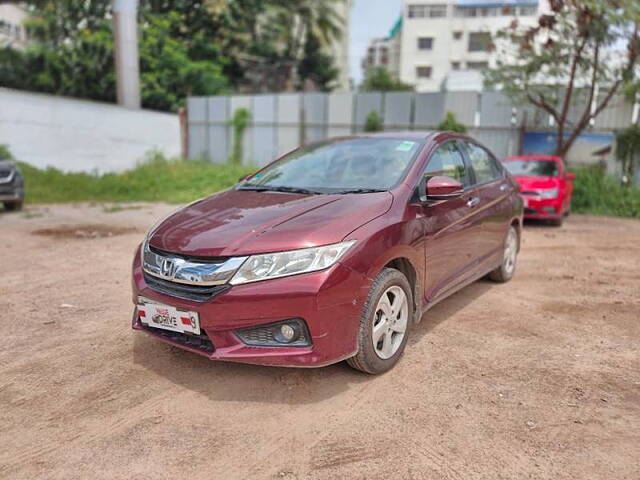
(545, 185)
(329, 253)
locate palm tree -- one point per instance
(291, 24)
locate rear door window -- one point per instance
(448, 161)
(484, 164)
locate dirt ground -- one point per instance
(538, 378)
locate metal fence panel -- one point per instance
(496, 110)
(618, 114)
(196, 120)
(288, 118)
(218, 126)
(464, 105)
(398, 110)
(429, 109)
(501, 141)
(315, 116)
(365, 104)
(340, 114)
(265, 138)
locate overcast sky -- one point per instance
(369, 19)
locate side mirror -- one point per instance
(571, 176)
(440, 188)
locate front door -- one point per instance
(449, 225)
(493, 211)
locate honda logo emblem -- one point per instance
(168, 268)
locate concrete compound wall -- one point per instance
(78, 135)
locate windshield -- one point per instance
(357, 165)
(532, 168)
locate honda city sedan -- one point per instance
(330, 253)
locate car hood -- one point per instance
(528, 184)
(237, 222)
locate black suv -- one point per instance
(11, 184)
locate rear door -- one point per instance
(450, 226)
(494, 209)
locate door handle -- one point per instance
(473, 202)
(504, 187)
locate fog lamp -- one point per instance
(287, 333)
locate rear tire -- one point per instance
(507, 268)
(13, 206)
(386, 317)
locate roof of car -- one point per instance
(553, 158)
(419, 134)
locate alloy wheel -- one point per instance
(390, 322)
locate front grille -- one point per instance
(201, 341)
(197, 293)
(529, 193)
(4, 174)
(192, 258)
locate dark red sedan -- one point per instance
(545, 184)
(329, 253)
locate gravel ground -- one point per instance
(537, 378)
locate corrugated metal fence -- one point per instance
(281, 122)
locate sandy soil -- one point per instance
(538, 378)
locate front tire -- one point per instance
(507, 268)
(384, 323)
(13, 206)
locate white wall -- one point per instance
(78, 135)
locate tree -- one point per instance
(379, 79)
(562, 63)
(627, 150)
(71, 53)
(293, 41)
(316, 67)
(450, 124)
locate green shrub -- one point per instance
(451, 124)
(156, 179)
(239, 122)
(599, 194)
(373, 122)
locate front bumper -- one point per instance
(330, 302)
(538, 208)
(12, 190)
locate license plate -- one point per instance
(166, 317)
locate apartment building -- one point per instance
(443, 36)
(384, 52)
(12, 32)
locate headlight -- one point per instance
(282, 264)
(551, 193)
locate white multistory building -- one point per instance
(385, 52)
(443, 43)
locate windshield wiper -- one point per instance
(361, 190)
(276, 188)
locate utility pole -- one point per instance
(125, 28)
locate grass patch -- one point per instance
(155, 180)
(599, 194)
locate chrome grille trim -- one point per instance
(177, 269)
